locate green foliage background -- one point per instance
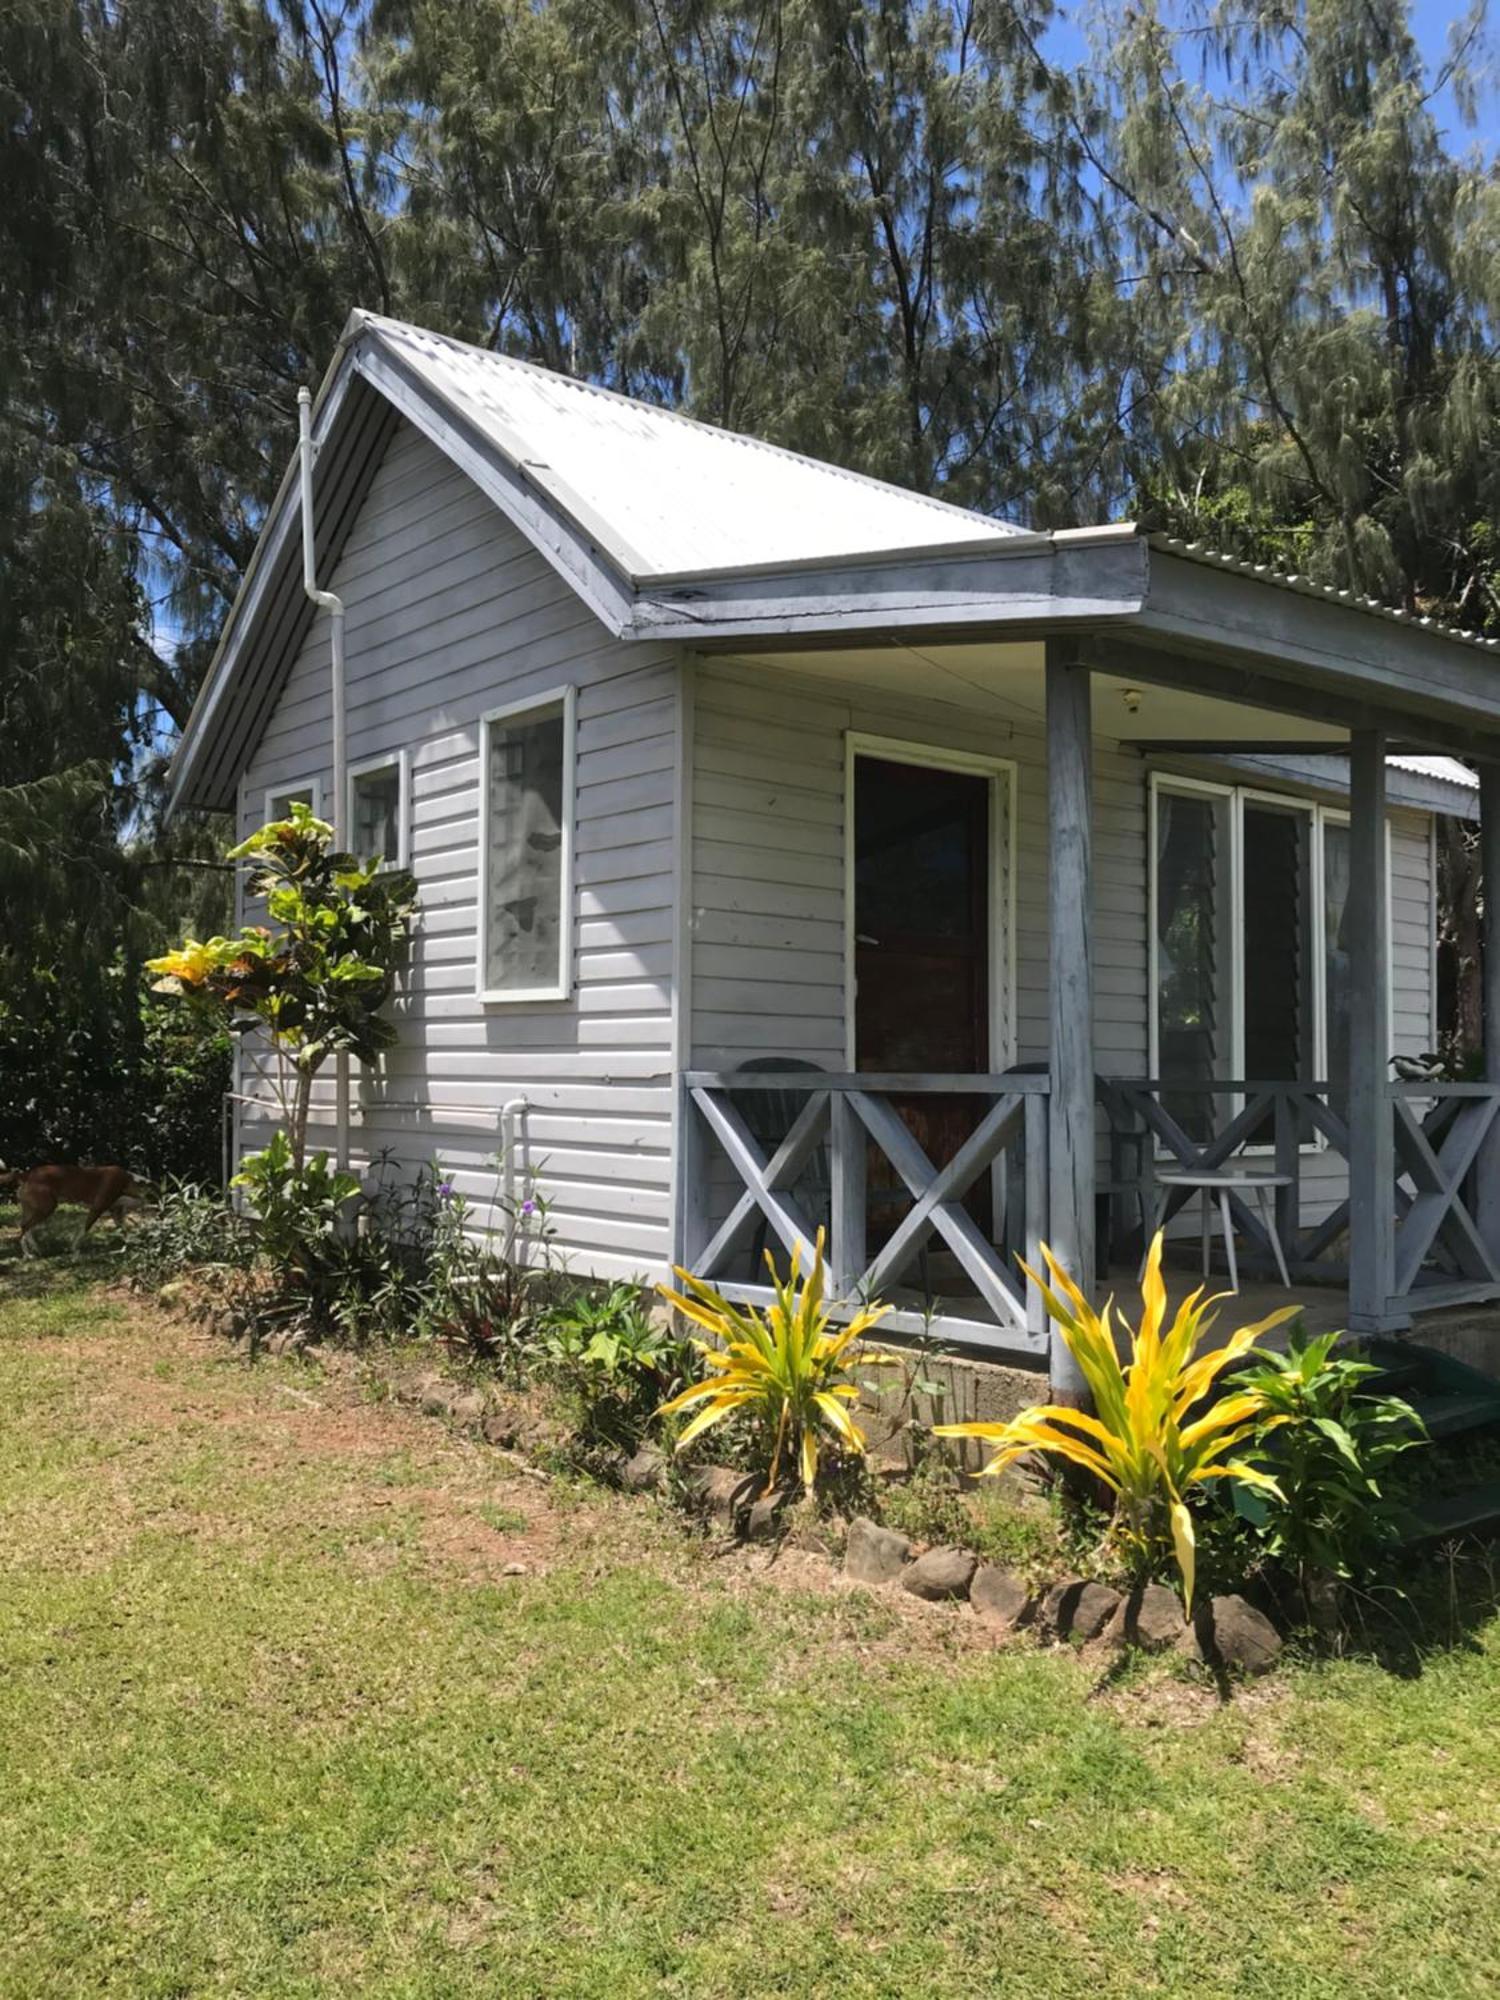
(1230, 276)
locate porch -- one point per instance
(1387, 1194)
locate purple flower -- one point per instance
(445, 1191)
(528, 1207)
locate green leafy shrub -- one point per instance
(302, 1225)
(613, 1363)
(316, 984)
(184, 1068)
(1329, 1445)
(106, 1073)
(487, 1301)
(188, 1227)
(299, 1209)
(395, 1257)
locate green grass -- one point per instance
(274, 1720)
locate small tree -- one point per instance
(316, 984)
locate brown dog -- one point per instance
(101, 1190)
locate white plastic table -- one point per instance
(1222, 1182)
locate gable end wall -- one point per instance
(451, 614)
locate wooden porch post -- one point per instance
(1070, 1222)
(1487, 1191)
(1372, 1149)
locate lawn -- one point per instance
(302, 1694)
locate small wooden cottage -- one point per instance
(794, 849)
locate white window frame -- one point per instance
(313, 787)
(390, 760)
(1321, 817)
(1001, 980)
(567, 699)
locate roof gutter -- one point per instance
(1004, 542)
(1011, 585)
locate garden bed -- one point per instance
(1013, 1558)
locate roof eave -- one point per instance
(1021, 582)
(1401, 671)
(1003, 542)
(1330, 773)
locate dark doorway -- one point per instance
(921, 952)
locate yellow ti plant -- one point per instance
(790, 1365)
(1143, 1439)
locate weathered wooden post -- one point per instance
(1487, 1167)
(1070, 900)
(690, 1208)
(1372, 1138)
(848, 1149)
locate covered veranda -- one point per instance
(1227, 664)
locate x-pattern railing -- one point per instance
(736, 1189)
(1290, 1110)
(1437, 1154)
(1437, 1236)
(850, 1118)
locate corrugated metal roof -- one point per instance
(662, 493)
(1306, 586)
(1447, 770)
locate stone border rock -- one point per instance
(873, 1554)
(941, 1574)
(1226, 1633)
(1230, 1634)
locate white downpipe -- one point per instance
(510, 1112)
(334, 606)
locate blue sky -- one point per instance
(1431, 21)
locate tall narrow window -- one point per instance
(1194, 965)
(1280, 1038)
(527, 779)
(1280, 991)
(376, 812)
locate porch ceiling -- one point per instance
(1008, 680)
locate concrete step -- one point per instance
(1472, 1510)
(1403, 1369)
(1453, 1412)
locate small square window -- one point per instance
(375, 813)
(280, 801)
